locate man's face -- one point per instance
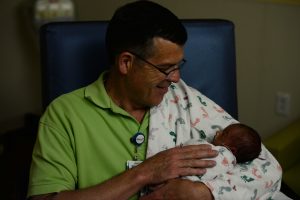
(148, 85)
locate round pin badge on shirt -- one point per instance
(138, 139)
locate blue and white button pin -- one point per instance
(138, 139)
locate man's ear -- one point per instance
(125, 61)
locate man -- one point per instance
(86, 137)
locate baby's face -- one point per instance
(218, 139)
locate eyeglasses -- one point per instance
(166, 72)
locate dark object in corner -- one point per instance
(15, 159)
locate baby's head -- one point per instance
(243, 141)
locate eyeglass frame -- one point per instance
(172, 68)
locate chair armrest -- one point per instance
(285, 145)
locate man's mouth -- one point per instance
(163, 89)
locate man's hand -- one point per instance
(164, 166)
(177, 189)
(177, 162)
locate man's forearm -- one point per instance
(202, 192)
(178, 189)
(164, 166)
(120, 187)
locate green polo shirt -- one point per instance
(83, 140)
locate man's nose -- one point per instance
(174, 76)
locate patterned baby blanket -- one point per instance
(186, 114)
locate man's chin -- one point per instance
(157, 101)
(157, 96)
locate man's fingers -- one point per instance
(198, 163)
(195, 147)
(198, 153)
(192, 171)
(179, 161)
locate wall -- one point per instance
(19, 65)
(267, 46)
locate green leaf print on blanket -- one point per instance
(255, 195)
(172, 86)
(247, 179)
(227, 189)
(201, 133)
(187, 107)
(174, 135)
(201, 101)
(264, 167)
(216, 127)
(179, 121)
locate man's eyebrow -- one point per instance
(168, 65)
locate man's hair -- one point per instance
(134, 25)
(247, 141)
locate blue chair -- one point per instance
(73, 55)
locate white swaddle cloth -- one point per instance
(186, 114)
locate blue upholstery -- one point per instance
(73, 55)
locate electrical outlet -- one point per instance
(283, 101)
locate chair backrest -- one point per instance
(73, 55)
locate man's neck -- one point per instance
(117, 92)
